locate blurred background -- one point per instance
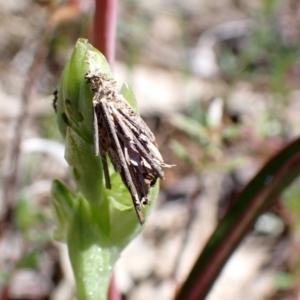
(216, 81)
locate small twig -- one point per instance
(192, 212)
(10, 189)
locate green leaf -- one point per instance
(62, 201)
(128, 94)
(92, 263)
(74, 106)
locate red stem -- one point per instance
(113, 293)
(104, 34)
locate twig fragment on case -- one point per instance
(120, 133)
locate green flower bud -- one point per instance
(95, 222)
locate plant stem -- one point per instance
(104, 34)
